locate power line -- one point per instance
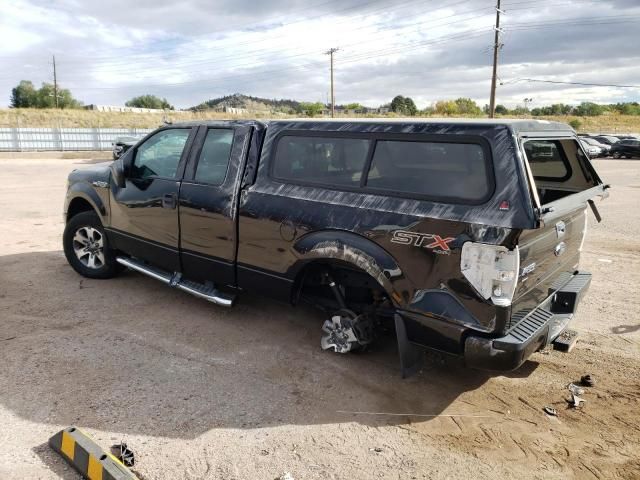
(123, 61)
(569, 83)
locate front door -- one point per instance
(144, 221)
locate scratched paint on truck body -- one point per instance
(268, 203)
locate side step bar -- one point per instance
(209, 293)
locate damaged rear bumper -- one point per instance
(537, 329)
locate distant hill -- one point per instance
(249, 103)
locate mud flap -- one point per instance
(411, 356)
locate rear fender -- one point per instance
(352, 249)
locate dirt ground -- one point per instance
(202, 392)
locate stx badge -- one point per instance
(426, 240)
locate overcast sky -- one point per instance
(188, 51)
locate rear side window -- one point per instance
(322, 160)
(432, 169)
(214, 157)
(547, 160)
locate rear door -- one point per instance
(563, 181)
(208, 203)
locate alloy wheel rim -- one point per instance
(88, 245)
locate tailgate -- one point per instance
(547, 256)
(563, 182)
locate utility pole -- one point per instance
(496, 47)
(55, 81)
(330, 52)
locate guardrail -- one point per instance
(14, 139)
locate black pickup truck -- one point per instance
(463, 235)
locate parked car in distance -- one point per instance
(607, 139)
(591, 150)
(602, 146)
(626, 149)
(122, 144)
(462, 235)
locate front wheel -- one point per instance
(86, 247)
(616, 155)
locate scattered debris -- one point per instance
(285, 476)
(576, 401)
(566, 341)
(264, 453)
(8, 338)
(376, 449)
(587, 380)
(575, 389)
(124, 454)
(550, 411)
(605, 260)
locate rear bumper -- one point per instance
(538, 328)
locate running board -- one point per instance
(207, 292)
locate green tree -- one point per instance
(24, 95)
(353, 106)
(575, 124)
(501, 110)
(403, 105)
(588, 109)
(149, 101)
(311, 109)
(397, 104)
(520, 111)
(466, 106)
(628, 108)
(446, 107)
(410, 106)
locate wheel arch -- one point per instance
(342, 248)
(84, 199)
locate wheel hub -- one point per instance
(338, 334)
(88, 245)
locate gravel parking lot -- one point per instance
(201, 392)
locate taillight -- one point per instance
(492, 270)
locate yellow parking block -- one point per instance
(87, 457)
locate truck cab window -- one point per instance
(159, 155)
(214, 157)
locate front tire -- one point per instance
(86, 247)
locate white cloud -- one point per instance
(189, 51)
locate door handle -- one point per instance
(169, 200)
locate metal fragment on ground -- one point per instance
(575, 389)
(587, 380)
(576, 401)
(550, 411)
(124, 454)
